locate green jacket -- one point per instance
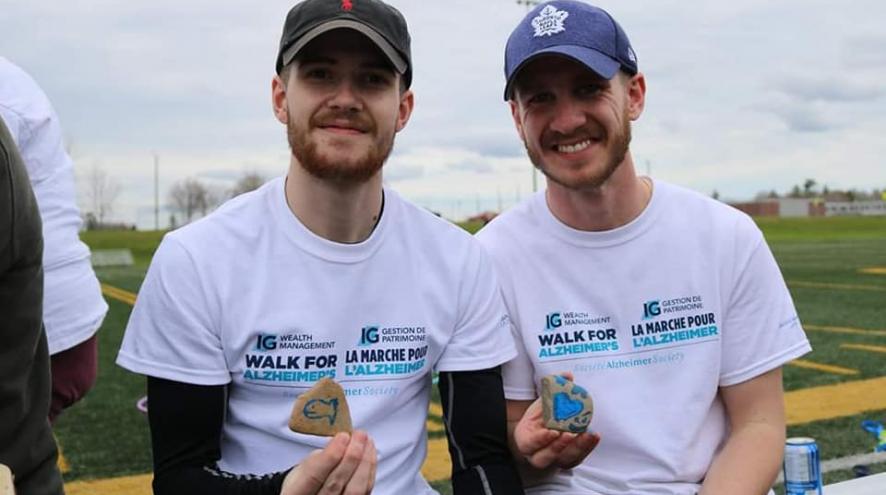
(26, 442)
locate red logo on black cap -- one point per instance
(347, 5)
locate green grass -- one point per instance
(141, 243)
(105, 435)
(822, 228)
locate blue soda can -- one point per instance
(802, 467)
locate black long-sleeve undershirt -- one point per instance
(475, 416)
(187, 420)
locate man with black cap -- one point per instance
(324, 273)
(667, 306)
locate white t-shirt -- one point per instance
(249, 296)
(73, 308)
(652, 318)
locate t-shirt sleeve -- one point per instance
(171, 333)
(518, 373)
(761, 329)
(481, 338)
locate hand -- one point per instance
(345, 467)
(543, 448)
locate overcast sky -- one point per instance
(742, 96)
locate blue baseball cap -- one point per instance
(573, 29)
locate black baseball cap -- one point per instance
(381, 23)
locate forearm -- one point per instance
(186, 423)
(194, 480)
(748, 462)
(474, 414)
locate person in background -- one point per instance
(73, 307)
(324, 273)
(666, 305)
(27, 447)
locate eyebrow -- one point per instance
(319, 59)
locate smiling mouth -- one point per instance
(573, 148)
(339, 129)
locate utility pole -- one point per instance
(156, 191)
(529, 4)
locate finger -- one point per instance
(534, 410)
(530, 440)
(576, 452)
(568, 375)
(309, 476)
(549, 454)
(374, 466)
(340, 476)
(361, 482)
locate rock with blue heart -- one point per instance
(322, 410)
(565, 405)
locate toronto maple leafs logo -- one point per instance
(549, 21)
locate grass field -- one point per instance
(827, 263)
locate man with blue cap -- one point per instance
(667, 306)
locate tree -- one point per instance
(808, 187)
(190, 196)
(249, 181)
(102, 192)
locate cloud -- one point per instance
(395, 172)
(865, 53)
(801, 118)
(828, 88)
(474, 166)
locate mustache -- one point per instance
(360, 121)
(552, 137)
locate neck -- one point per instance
(615, 203)
(344, 213)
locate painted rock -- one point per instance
(322, 410)
(565, 405)
(6, 487)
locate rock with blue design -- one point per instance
(565, 405)
(322, 410)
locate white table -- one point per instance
(868, 485)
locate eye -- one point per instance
(540, 97)
(318, 74)
(588, 90)
(377, 79)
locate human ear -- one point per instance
(278, 100)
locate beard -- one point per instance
(351, 171)
(614, 154)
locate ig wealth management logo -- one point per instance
(265, 342)
(368, 336)
(651, 309)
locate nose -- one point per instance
(567, 117)
(345, 98)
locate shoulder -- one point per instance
(512, 227)
(22, 103)
(229, 229)
(703, 212)
(421, 220)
